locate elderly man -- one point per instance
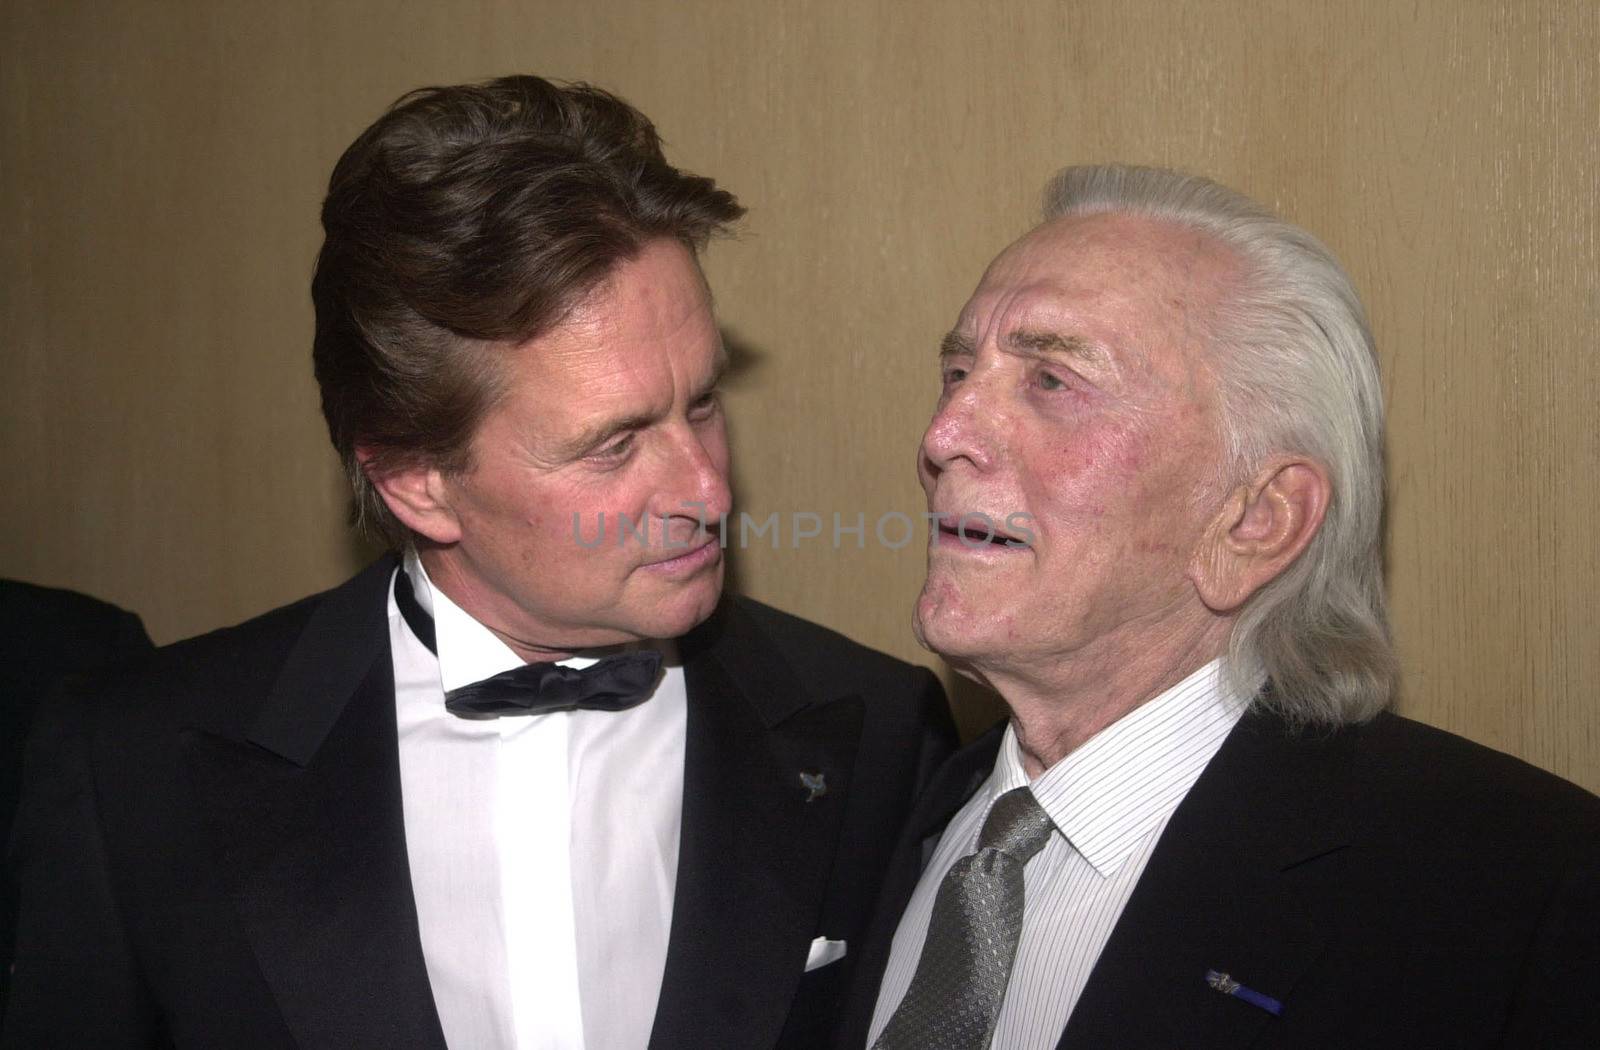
(517, 787)
(1157, 464)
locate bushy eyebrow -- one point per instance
(1045, 344)
(954, 344)
(1029, 344)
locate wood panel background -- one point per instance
(161, 166)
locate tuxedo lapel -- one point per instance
(1223, 892)
(307, 825)
(757, 841)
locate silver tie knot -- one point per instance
(1016, 826)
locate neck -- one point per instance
(1058, 705)
(496, 612)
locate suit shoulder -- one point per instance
(1455, 763)
(214, 679)
(271, 629)
(22, 602)
(1441, 773)
(822, 649)
(271, 634)
(60, 630)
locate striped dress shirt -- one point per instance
(1109, 800)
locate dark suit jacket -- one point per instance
(1390, 884)
(214, 854)
(46, 635)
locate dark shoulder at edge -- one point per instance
(1441, 769)
(216, 677)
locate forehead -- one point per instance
(659, 290)
(650, 310)
(1124, 282)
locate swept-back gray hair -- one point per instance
(1297, 373)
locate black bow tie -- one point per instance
(613, 683)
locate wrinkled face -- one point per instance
(1076, 402)
(613, 413)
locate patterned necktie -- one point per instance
(614, 683)
(954, 997)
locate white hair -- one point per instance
(1297, 373)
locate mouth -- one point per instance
(693, 560)
(977, 532)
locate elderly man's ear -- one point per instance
(416, 495)
(1262, 527)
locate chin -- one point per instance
(943, 626)
(937, 638)
(678, 614)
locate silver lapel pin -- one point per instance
(816, 785)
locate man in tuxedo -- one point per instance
(518, 786)
(1157, 465)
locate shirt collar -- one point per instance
(1127, 779)
(468, 651)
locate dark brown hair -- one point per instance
(466, 220)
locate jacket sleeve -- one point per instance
(75, 982)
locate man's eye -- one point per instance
(954, 375)
(616, 449)
(1051, 381)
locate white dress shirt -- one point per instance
(1109, 800)
(543, 849)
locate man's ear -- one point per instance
(1262, 527)
(417, 495)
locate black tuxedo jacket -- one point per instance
(1390, 884)
(213, 855)
(47, 635)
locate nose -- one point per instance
(963, 429)
(697, 488)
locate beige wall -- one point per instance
(161, 166)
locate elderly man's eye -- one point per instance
(954, 375)
(705, 407)
(1051, 381)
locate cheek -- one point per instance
(1083, 478)
(1110, 495)
(558, 515)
